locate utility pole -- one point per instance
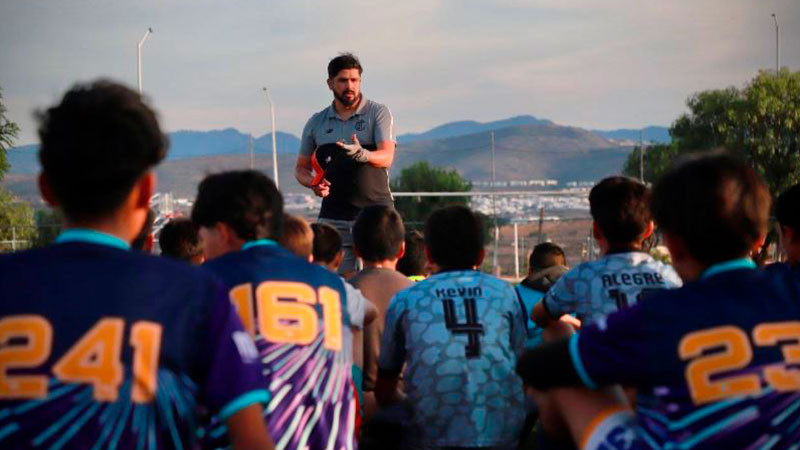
(516, 250)
(494, 209)
(250, 150)
(274, 148)
(777, 45)
(641, 156)
(139, 56)
(541, 225)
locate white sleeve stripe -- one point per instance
(391, 124)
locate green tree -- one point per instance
(16, 217)
(760, 121)
(8, 132)
(657, 159)
(17, 229)
(422, 177)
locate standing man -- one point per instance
(356, 143)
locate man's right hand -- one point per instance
(322, 189)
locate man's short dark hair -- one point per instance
(179, 239)
(246, 200)
(414, 260)
(140, 241)
(343, 62)
(378, 233)
(327, 242)
(546, 254)
(787, 208)
(95, 145)
(621, 208)
(716, 204)
(454, 237)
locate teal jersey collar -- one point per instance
(91, 237)
(258, 243)
(734, 264)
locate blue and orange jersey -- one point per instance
(101, 347)
(297, 314)
(715, 362)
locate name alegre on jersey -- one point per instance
(633, 279)
(594, 289)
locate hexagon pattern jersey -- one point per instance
(594, 289)
(459, 333)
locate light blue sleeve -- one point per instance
(560, 298)
(671, 277)
(393, 346)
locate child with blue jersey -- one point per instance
(458, 333)
(714, 362)
(546, 265)
(103, 347)
(625, 273)
(294, 310)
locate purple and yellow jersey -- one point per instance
(101, 347)
(594, 289)
(715, 363)
(296, 311)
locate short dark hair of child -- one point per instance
(95, 145)
(621, 208)
(414, 260)
(716, 204)
(378, 233)
(327, 243)
(454, 238)
(179, 239)
(787, 208)
(246, 200)
(545, 255)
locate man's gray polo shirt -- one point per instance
(353, 185)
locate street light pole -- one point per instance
(274, 149)
(139, 54)
(777, 45)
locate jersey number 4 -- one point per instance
(26, 342)
(471, 327)
(286, 312)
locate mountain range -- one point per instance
(526, 148)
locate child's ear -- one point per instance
(46, 190)
(337, 261)
(649, 229)
(597, 233)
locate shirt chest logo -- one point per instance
(361, 125)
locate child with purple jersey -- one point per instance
(714, 362)
(294, 310)
(103, 347)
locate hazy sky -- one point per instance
(591, 63)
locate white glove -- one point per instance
(354, 151)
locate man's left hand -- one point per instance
(354, 151)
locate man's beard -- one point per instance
(344, 99)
